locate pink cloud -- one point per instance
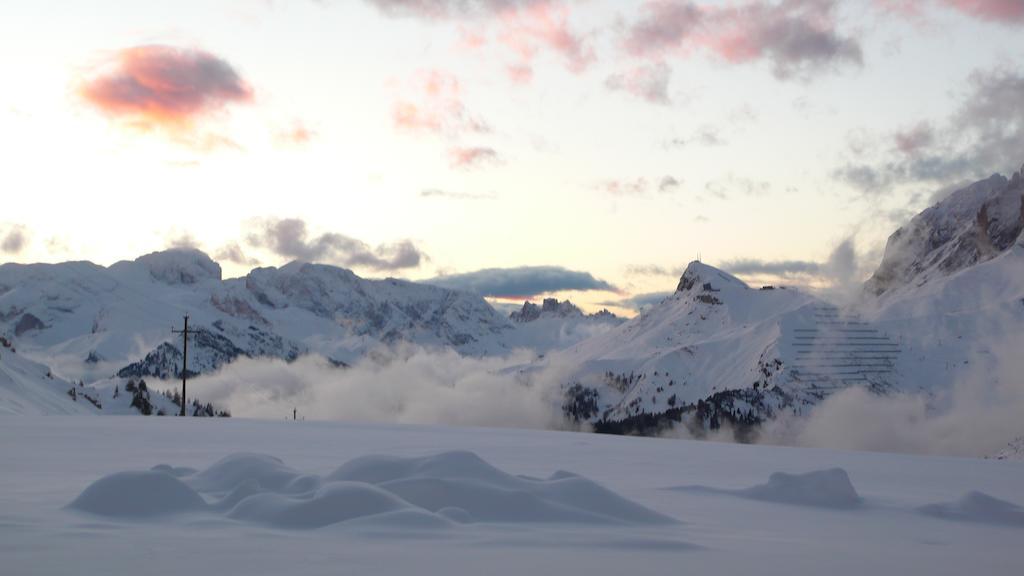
(520, 73)
(1005, 11)
(797, 36)
(162, 86)
(437, 107)
(449, 9)
(297, 133)
(544, 25)
(1000, 11)
(524, 29)
(472, 157)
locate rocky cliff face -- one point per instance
(972, 225)
(552, 308)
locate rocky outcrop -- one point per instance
(552, 308)
(549, 307)
(207, 352)
(703, 278)
(972, 225)
(27, 323)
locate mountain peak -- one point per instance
(972, 225)
(700, 276)
(552, 308)
(1017, 181)
(180, 266)
(549, 307)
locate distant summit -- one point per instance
(552, 308)
(177, 266)
(701, 277)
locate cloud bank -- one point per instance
(639, 302)
(838, 278)
(985, 134)
(521, 283)
(289, 238)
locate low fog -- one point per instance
(413, 385)
(408, 385)
(978, 416)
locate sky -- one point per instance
(585, 149)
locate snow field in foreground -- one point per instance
(432, 502)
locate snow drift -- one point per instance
(431, 491)
(978, 507)
(821, 488)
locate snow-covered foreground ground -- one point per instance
(908, 514)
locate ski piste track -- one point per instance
(840, 350)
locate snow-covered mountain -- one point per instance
(726, 352)
(953, 282)
(972, 225)
(89, 322)
(945, 301)
(946, 298)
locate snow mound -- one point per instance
(333, 503)
(978, 507)
(403, 519)
(374, 491)
(266, 472)
(462, 486)
(826, 488)
(138, 495)
(455, 464)
(821, 488)
(177, 472)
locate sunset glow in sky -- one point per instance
(582, 148)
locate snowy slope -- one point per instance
(953, 326)
(956, 300)
(30, 388)
(1014, 450)
(27, 387)
(738, 509)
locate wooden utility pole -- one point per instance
(184, 360)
